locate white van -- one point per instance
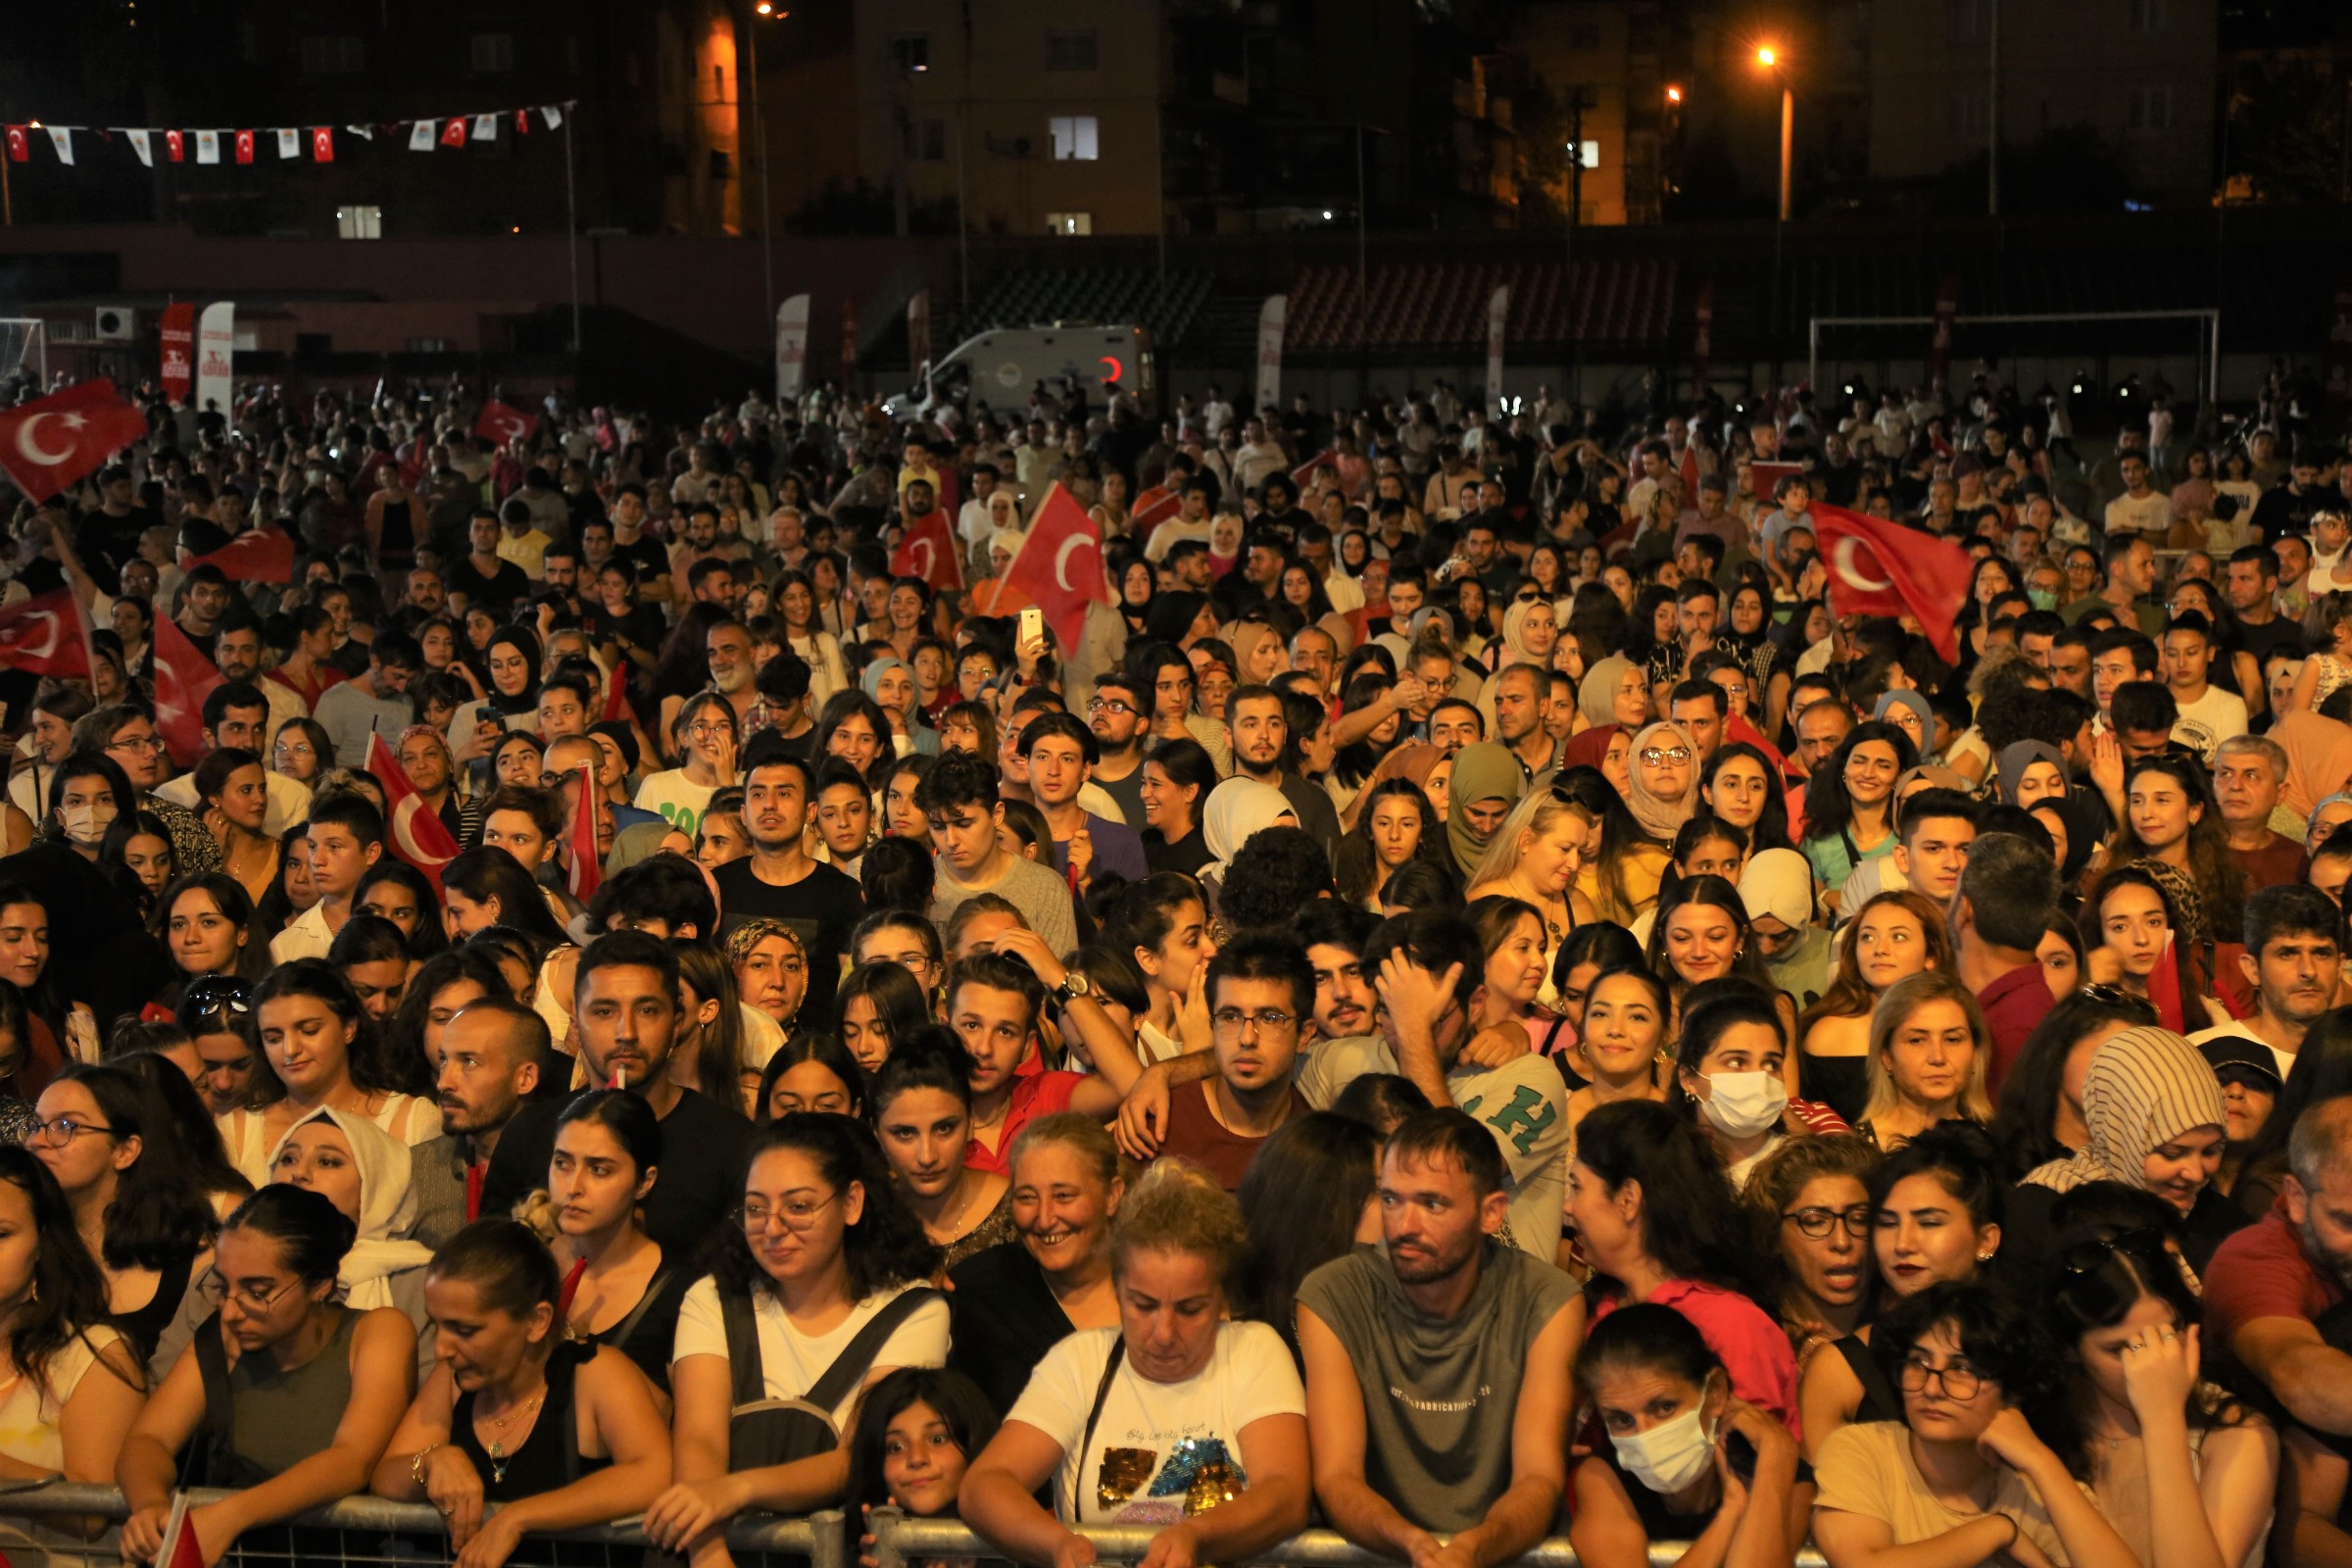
(1001, 367)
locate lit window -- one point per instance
(359, 223)
(1075, 138)
(1069, 222)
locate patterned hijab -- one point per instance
(2146, 1087)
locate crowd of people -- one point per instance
(1469, 1005)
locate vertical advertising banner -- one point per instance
(180, 351)
(1269, 351)
(1499, 309)
(792, 347)
(215, 348)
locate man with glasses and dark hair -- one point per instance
(128, 739)
(1120, 715)
(1261, 999)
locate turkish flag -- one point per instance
(183, 679)
(1882, 569)
(20, 146)
(260, 553)
(244, 146)
(45, 635)
(586, 873)
(1060, 567)
(418, 836)
(323, 144)
(616, 698)
(1764, 477)
(181, 1548)
(175, 145)
(48, 444)
(500, 424)
(1325, 458)
(1154, 507)
(453, 134)
(927, 550)
(1690, 475)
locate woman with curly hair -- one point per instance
(826, 1248)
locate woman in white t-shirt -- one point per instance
(827, 1249)
(1177, 1418)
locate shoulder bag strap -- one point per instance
(1086, 1438)
(220, 1425)
(850, 1367)
(618, 1334)
(744, 1366)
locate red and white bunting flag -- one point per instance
(142, 142)
(523, 122)
(208, 146)
(553, 114)
(244, 146)
(175, 146)
(485, 128)
(60, 137)
(421, 137)
(453, 134)
(20, 144)
(289, 142)
(323, 144)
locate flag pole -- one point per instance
(571, 228)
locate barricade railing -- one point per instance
(376, 1532)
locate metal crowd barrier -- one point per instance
(372, 1532)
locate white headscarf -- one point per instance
(1236, 809)
(387, 1209)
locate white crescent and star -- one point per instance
(1843, 558)
(21, 644)
(32, 451)
(1061, 560)
(926, 552)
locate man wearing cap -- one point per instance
(2294, 960)
(2250, 1083)
(2007, 899)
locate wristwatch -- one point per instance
(1073, 985)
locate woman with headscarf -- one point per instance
(512, 703)
(1236, 809)
(1257, 651)
(1910, 713)
(364, 1171)
(2155, 1115)
(890, 682)
(1607, 749)
(1487, 781)
(1614, 691)
(2319, 759)
(1529, 634)
(1664, 765)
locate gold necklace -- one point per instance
(496, 1448)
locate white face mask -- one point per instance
(86, 825)
(1743, 1104)
(1672, 1454)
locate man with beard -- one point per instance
(485, 1066)
(627, 1007)
(1437, 1370)
(1260, 735)
(728, 648)
(2292, 961)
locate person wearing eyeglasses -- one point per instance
(1811, 1197)
(1965, 1471)
(822, 1279)
(1119, 713)
(128, 739)
(305, 1412)
(1261, 1002)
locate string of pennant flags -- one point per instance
(293, 142)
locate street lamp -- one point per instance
(768, 10)
(1767, 58)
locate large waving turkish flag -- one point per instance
(500, 424)
(1059, 568)
(1883, 569)
(418, 836)
(44, 635)
(928, 551)
(183, 679)
(261, 553)
(48, 444)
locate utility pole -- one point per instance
(1993, 119)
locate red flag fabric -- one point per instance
(616, 698)
(1690, 475)
(523, 122)
(181, 1548)
(1325, 458)
(948, 495)
(1764, 477)
(244, 146)
(1060, 567)
(44, 635)
(1155, 506)
(928, 551)
(323, 144)
(500, 424)
(183, 679)
(175, 146)
(586, 873)
(19, 145)
(453, 134)
(418, 834)
(48, 444)
(1882, 569)
(258, 555)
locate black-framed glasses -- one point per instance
(1230, 1022)
(59, 1131)
(1108, 704)
(1816, 1222)
(216, 1287)
(1953, 1380)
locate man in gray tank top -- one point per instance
(1437, 1363)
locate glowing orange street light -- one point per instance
(1769, 58)
(1674, 96)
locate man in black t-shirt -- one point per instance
(483, 577)
(778, 880)
(626, 993)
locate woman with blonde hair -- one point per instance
(1534, 858)
(1896, 935)
(1929, 1046)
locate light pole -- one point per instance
(770, 11)
(1769, 58)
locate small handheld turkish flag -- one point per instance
(500, 424)
(587, 871)
(48, 444)
(928, 551)
(1763, 478)
(418, 836)
(183, 679)
(1060, 567)
(44, 635)
(1882, 569)
(181, 1548)
(1325, 458)
(1155, 506)
(261, 553)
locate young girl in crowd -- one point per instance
(1896, 934)
(620, 1288)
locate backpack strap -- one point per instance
(744, 1366)
(1880, 1401)
(1086, 1438)
(849, 1368)
(618, 1336)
